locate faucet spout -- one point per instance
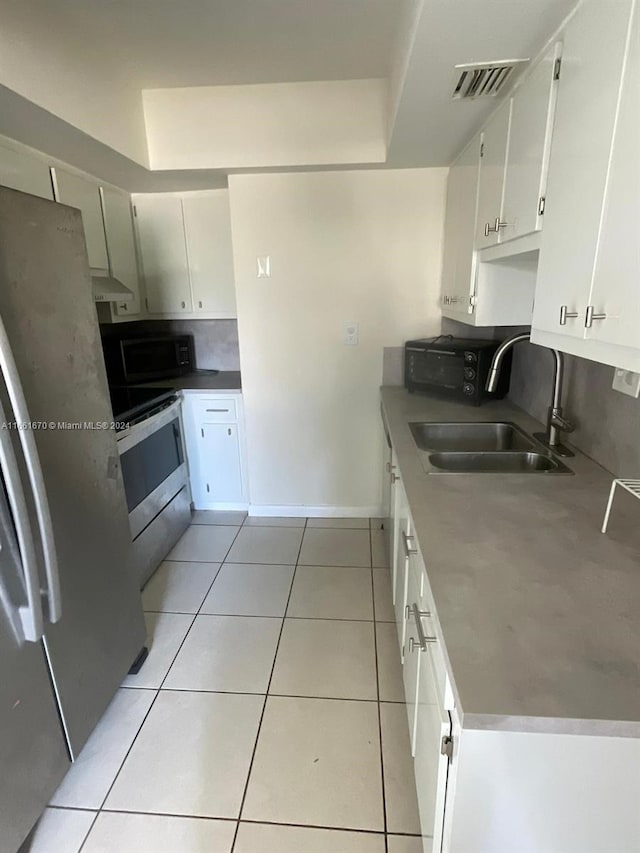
(496, 363)
(556, 423)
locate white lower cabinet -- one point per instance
(431, 764)
(497, 791)
(214, 436)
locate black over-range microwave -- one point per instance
(130, 360)
(454, 367)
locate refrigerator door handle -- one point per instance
(30, 614)
(34, 471)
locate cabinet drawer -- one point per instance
(215, 410)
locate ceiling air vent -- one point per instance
(485, 79)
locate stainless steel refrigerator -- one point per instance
(71, 620)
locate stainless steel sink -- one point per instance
(471, 437)
(496, 462)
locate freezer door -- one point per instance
(47, 309)
(33, 752)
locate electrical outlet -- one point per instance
(627, 382)
(263, 266)
(351, 334)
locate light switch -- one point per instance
(351, 334)
(263, 264)
(627, 382)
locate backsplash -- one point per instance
(215, 341)
(607, 423)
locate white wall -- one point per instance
(351, 246)
(44, 58)
(280, 124)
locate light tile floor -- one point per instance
(269, 716)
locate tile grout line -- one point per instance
(266, 696)
(266, 615)
(88, 833)
(375, 647)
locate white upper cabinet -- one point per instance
(458, 264)
(21, 170)
(493, 158)
(532, 116)
(118, 224)
(615, 292)
(587, 286)
(186, 254)
(84, 194)
(207, 225)
(164, 253)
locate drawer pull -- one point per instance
(423, 640)
(217, 410)
(408, 550)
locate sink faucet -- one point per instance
(556, 423)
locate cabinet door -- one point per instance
(219, 457)
(458, 259)
(121, 249)
(412, 651)
(22, 171)
(163, 254)
(430, 766)
(592, 57)
(84, 194)
(493, 158)
(400, 559)
(616, 284)
(532, 113)
(207, 222)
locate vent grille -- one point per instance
(486, 79)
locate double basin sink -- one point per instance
(483, 448)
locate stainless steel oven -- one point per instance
(154, 471)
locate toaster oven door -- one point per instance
(436, 368)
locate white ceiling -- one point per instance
(167, 43)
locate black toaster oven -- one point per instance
(454, 367)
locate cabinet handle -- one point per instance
(423, 640)
(394, 478)
(488, 229)
(217, 410)
(199, 303)
(565, 315)
(499, 224)
(590, 317)
(407, 549)
(390, 467)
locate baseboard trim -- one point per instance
(297, 511)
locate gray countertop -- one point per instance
(539, 611)
(226, 380)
